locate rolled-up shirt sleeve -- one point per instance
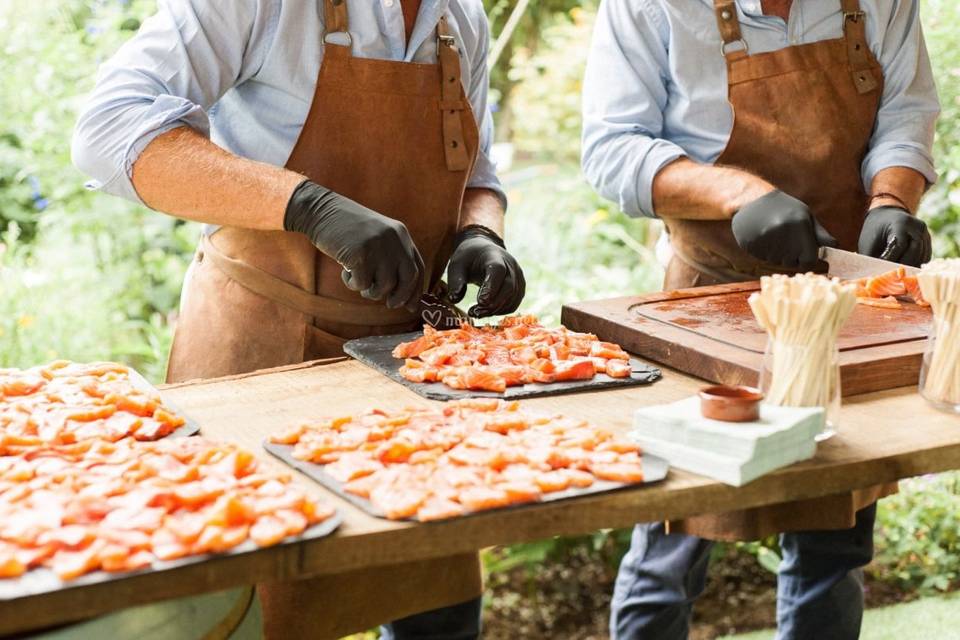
(624, 93)
(183, 59)
(484, 174)
(903, 134)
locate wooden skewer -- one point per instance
(803, 315)
(940, 284)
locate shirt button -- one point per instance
(388, 3)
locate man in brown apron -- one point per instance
(387, 185)
(815, 114)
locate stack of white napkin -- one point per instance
(732, 452)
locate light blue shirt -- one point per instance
(244, 72)
(656, 87)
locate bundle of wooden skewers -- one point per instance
(803, 315)
(940, 284)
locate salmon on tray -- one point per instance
(517, 358)
(466, 457)
(65, 402)
(126, 505)
(95, 483)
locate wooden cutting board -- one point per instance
(711, 333)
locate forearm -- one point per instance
(685, 189)
(482, 206)
(186, 175)
(905, 185)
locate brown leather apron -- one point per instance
(803, 117)
(401, 139)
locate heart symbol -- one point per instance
(431, 317)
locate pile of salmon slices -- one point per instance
(86, 485)
(65, 402)
(518, 351)
(883, 290)
(120, 506)
(468, 456)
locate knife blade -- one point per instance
(850, 266)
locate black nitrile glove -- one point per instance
(378, 256)
(891, 233)
(780, 229)
(480, 258)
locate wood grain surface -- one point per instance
(710, 332)
(883, 437)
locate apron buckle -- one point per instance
(743, 43)
(853, 16)
(344, 34)
(447, 40)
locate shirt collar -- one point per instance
(426, 26)
(750, 7)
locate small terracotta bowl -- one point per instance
(731, 404)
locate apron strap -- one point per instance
(855, 34)
(335, 18)
(451, 99)
(310, 304)
(729, 25)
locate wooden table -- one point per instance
(883, 437)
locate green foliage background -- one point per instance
(82, 275)
(941, 207)
(89, 277)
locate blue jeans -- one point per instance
(819, 585)
(456, 622)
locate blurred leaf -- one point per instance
(769, 559)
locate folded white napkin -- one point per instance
(734, 453)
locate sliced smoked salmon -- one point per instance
(888, 302)
(518, 351)
(883, 290)
(912, 285)
(887, 284)
(86, 483)
(618, 368)
(476, 377)
(65, 402)
(122, 505)
(582, 369)
(466, 456)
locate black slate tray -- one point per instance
(655, 469)
(376, 352)
(42, 580)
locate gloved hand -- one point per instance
(480, 258)
(891, 233)
(378, 256)
(780, 229)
